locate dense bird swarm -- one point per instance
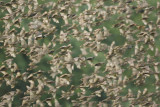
(88, 53)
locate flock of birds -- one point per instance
(103, 82)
